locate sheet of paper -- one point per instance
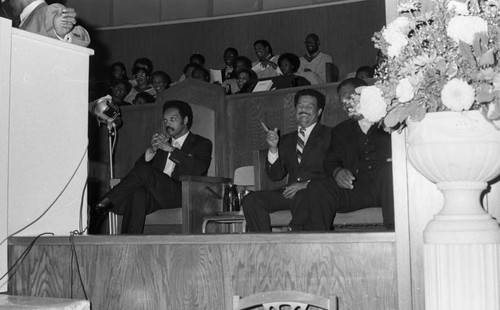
(215, 76)
(263, 86)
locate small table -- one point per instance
(225, 218)
(41, 303)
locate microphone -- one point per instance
(104, 111)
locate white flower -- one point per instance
(402, 23)
(496, 81)
(410, 6)
(405, 90)
(460, 8)
(457, 95)
(395, 34)
(397, 41)
(372, 104)
(465, 27)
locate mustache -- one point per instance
(304, 113)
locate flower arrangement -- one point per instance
(442, 60)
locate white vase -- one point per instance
(460, 152)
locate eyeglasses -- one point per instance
(140, 75)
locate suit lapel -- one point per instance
(186, 147)
(188, 143)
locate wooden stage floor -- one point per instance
(205, 271)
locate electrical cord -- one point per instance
(23, 255)
(82, 202)
(75, 256)
(53, 202)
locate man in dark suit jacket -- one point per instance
(55, 21)
(358, 166)
(301, 165)
(153, 183)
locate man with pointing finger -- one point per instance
(299, 156)
(153, 183)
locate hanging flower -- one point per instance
(372, 104)
(464, 28)
(405, 90)
(457, 95)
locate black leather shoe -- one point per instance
(97, 216)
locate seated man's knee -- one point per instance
(250, 202)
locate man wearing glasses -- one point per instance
(153, 183)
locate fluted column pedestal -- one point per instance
(461, 244)
(460, 153)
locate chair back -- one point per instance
(244, 178)
(262, 182)
(276, 299)
(332, 73)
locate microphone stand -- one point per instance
(112, 218)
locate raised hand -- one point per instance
(272, 138)
(160, 141)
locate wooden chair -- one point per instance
(276, 299)
(364, 217)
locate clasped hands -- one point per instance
(160, 141)
(64, 21)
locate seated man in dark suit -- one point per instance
(358, 166)
(299, 155)
(153, 183)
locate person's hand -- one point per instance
(272, 138)
(267, 62)
(344, 178)
(160, 141)
(64, 21)
(292, 189)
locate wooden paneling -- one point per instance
(134, 137)
(345, 31)
(205, 271)
(276, 109)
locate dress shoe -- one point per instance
(97, 215)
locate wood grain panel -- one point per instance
(345, 31)
(204, 272)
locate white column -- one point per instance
(461, 266)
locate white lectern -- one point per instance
(43, 135)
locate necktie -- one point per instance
(301, 138)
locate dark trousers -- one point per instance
(325, 198)
(143, 191)
(258, 205)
